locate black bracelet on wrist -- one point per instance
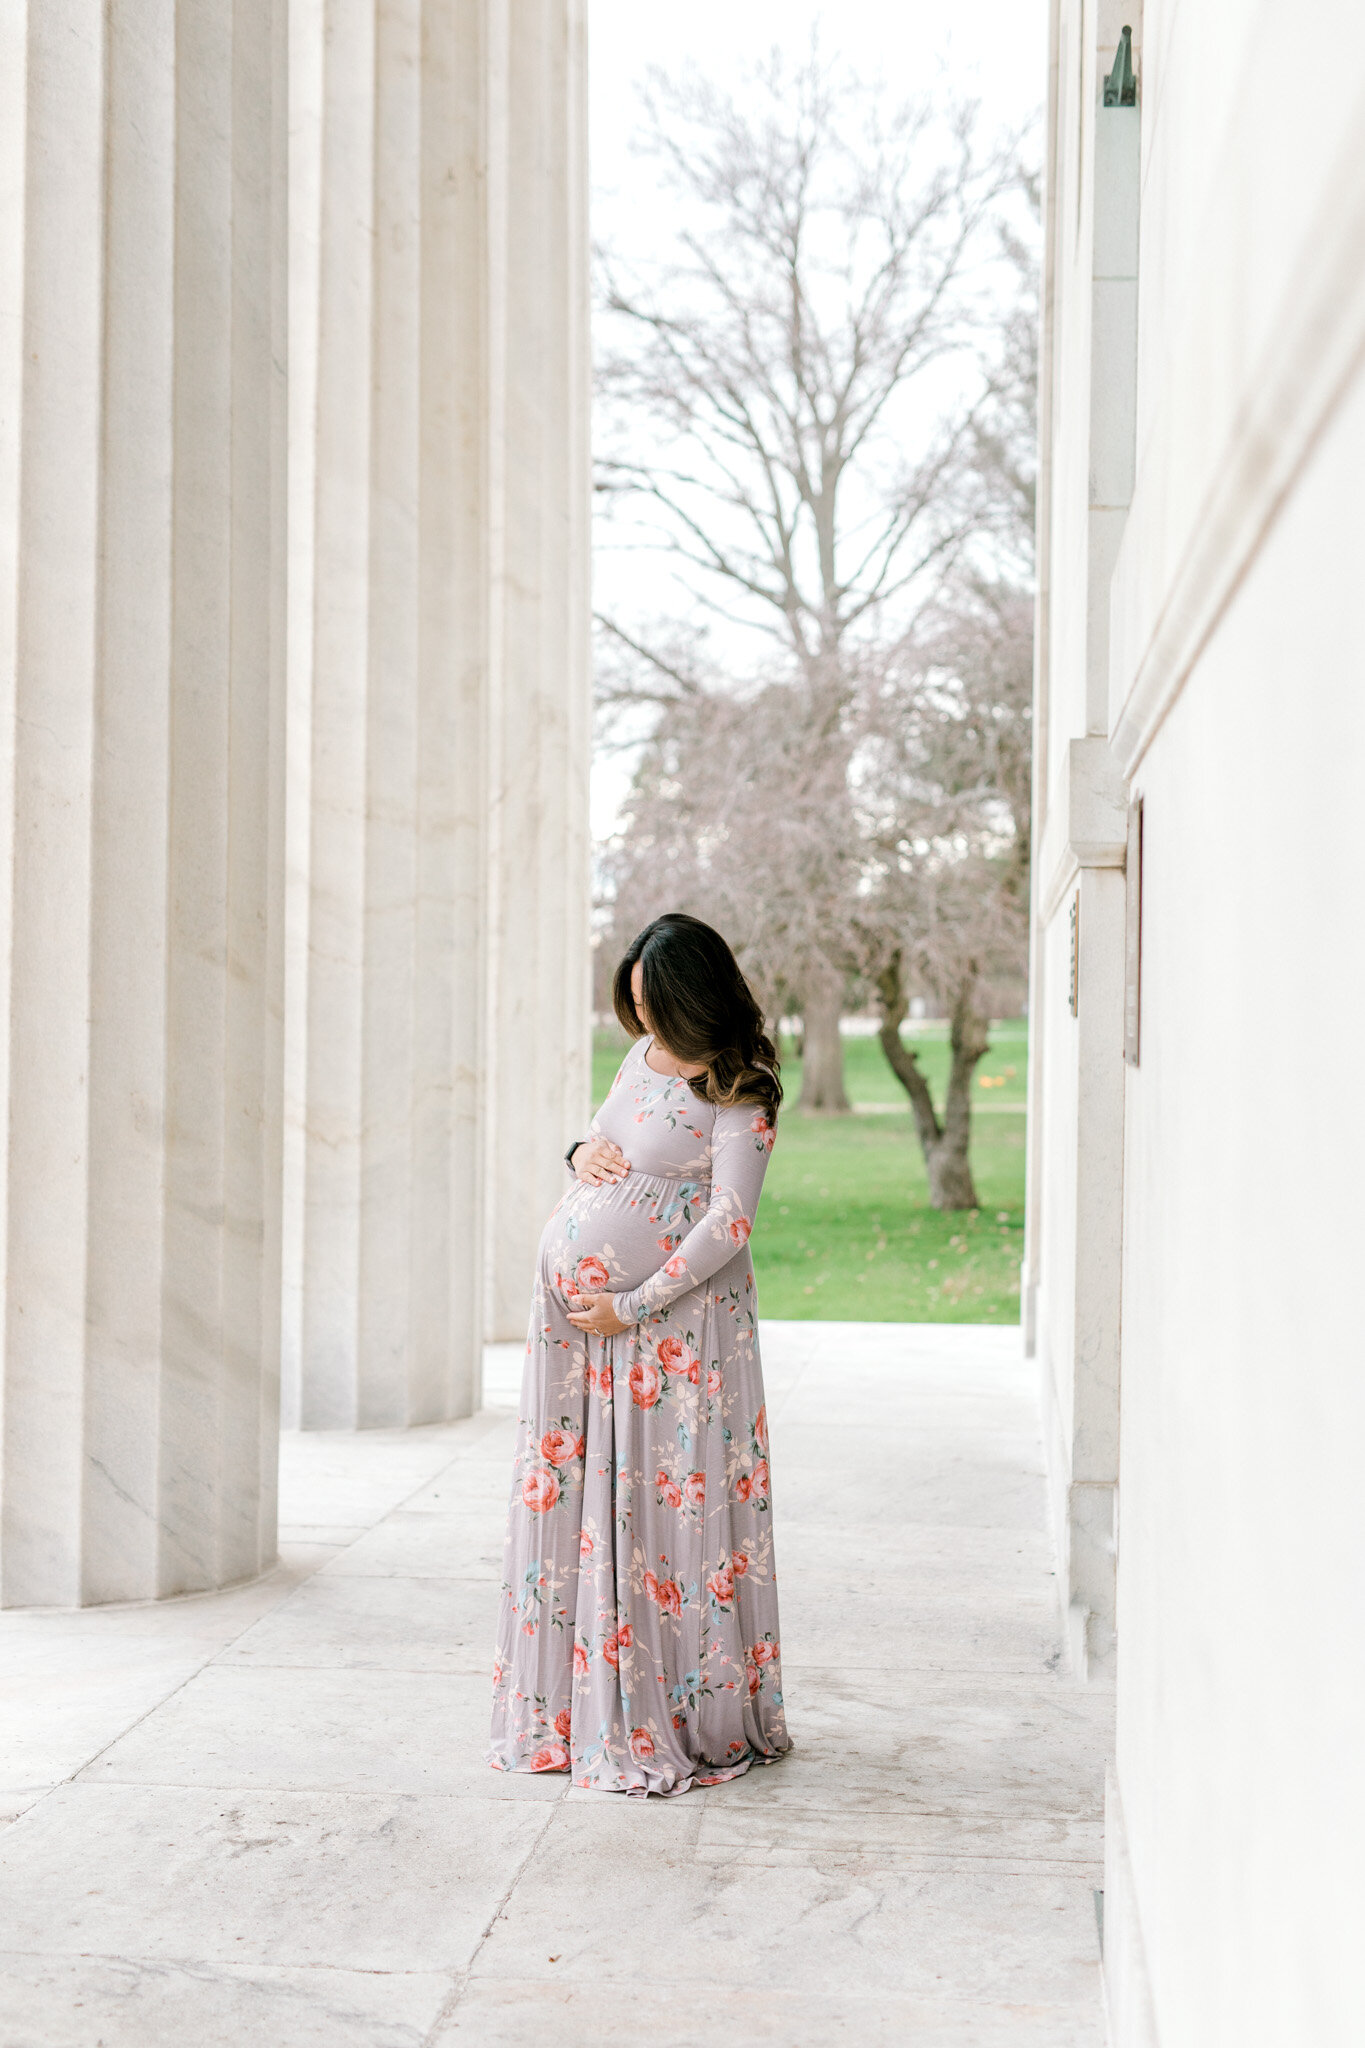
(568, 1156)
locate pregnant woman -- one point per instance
(638, 1638)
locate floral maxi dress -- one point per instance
(637, 1635)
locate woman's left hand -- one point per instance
(595, 1312)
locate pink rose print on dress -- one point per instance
(580, 1660)
(668, 1244)
(599, 1378)
(557, 1447)
(554, 1757)
(713, 1383)
(615, 1646)
(677, 1357)
(675, 1268)
(755, 1678)
(641, 1745)
(761, 1429)
(540, 1490)
(665, 1593)
(591, 1274)
(761, 1478)
(740, 1563)
(694, 1488)
(740, 1229)
(646, 1384)
(668, 1489)
(763, 1131)
(721, 1586)
(585, 1546)
(743, 1487)
(563, 1723)
(763, 1653)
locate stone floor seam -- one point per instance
(313, 1854)
(449, 2010)
(157, 1705)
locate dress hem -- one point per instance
(649, 1784)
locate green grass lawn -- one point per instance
(845, 1231)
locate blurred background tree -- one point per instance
(817, 404)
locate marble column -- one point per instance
(438, 927)
(389, 691)
(141, 803)
(539, 1036)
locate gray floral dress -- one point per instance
(637, 1636)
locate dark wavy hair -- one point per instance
(702, 1010)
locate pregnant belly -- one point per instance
(612, 1238)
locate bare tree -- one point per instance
(946, 811)
(790, 398)
(945, 774)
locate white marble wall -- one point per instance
(141, 706)
(437, 1044)
(1229, 700)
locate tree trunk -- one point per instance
(822, 1069)
(946, 1144)
(951, 1168)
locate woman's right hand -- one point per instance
(599, 1163)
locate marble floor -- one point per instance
(262, 1816)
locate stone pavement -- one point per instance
(262, 1816)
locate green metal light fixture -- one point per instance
(1120, 86)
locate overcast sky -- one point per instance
(991, 50)
(996, 51)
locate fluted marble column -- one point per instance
(141, 655)
(438, 978)
(390, 661)
(539, 1042)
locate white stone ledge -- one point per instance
(1088, 816)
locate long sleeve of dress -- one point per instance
(741, 1141)
(594, 1129)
